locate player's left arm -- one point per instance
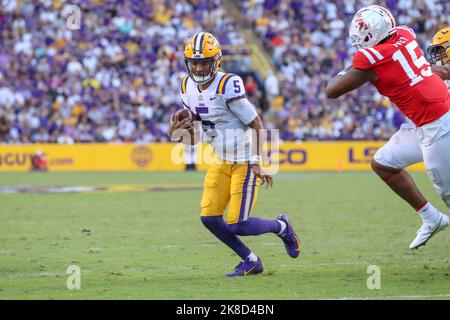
(246, 112)
(442, 71)
(348, 80)
(238, 103)
(258, 126)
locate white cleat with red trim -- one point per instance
(427, 230)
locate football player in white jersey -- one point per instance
(218, 100)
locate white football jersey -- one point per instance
(224, 120)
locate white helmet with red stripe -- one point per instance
(370, 26)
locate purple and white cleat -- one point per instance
(291, 241)
(246, 268)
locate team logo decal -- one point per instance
(141, 156)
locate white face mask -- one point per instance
(440, 56)
(201, 79)
(355, 43)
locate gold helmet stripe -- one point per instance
(198, 42)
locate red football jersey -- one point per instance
(405, 77)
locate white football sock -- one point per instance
(429, 213)
(283, 227)
(252, 257)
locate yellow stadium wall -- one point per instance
(308, 156)
(330, 156)
(91, 157)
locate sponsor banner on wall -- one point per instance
(320, 156)
(291, 156)
(329, 156)
(91, 157)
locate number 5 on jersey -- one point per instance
(208, 126)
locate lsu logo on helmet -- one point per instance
(439, 49)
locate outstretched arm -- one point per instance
(348, 80)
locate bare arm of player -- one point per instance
(181, 131)
(347, 81)
(442, 71)
(258, 126)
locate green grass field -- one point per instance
(152, 245)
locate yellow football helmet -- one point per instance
(203, 47)
(439, 49)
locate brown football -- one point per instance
(185, 113)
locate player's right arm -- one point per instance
(183, 131)
(343, 83)
(351, 78)
(180, 130)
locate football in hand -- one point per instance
(185, 113)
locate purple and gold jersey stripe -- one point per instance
(183, 84)
(223, 82)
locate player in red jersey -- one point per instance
(390, 58)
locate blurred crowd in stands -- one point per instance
(117, 78)
(308, 42)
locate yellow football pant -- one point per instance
(229, 183)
